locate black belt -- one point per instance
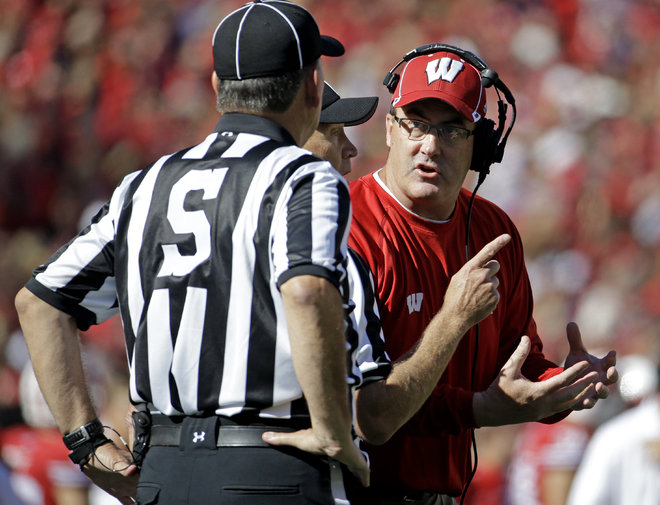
(227, 436)
(398, 496)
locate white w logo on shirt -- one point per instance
(415, 302)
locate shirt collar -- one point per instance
(248, 123)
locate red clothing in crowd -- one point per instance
(39, 462)
(412, 260)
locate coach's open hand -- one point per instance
(512, 398)
(604, 367)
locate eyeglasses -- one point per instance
(417, 130)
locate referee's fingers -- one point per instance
(302, 439)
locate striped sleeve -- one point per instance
(79, 278)
(315, 211)
(371, 362)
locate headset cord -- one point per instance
(482, 177)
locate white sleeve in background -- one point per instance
(621, 465)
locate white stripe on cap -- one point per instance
(295, 33)
(238, 38)
(403, 74)
(248, 8)
(475, 115)
(221, 22)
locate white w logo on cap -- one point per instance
(445, 68)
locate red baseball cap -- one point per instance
(445, 76)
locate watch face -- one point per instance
(82, 434)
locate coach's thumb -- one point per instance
(519, 356)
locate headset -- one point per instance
(489, 143)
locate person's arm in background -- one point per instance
(555, 486)
(598, 480)
(52, 340)
(315, 320)
(66, 495)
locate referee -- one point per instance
(226, 262)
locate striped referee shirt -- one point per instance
(191, 252)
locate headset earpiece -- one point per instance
(486, 141)
(391, 80)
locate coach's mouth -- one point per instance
(427, 170)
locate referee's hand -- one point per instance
(112, 469)
(307, 441)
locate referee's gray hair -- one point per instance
(272, 94)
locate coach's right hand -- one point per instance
(112, 469)
(306, 440)
(472, 292)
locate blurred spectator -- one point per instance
(544, 458)
(7, 494)
(42, 473)
(621, 465)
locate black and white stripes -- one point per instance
(192, 251)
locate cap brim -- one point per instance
(331, 46)
(350, 111)
(455, 102)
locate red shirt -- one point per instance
(412, 260)
(39, 462)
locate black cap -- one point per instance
(269, 37)
(349, 111)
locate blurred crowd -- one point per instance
(92, 90)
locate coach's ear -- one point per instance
(214, 82)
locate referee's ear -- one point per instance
(313, 83)
(214, 82)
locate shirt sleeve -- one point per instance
(592, 484)
(371, 362)
(79, 278)
(310, 225)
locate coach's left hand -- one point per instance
(605, 367)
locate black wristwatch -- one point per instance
(87, 433)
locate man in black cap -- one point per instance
(329, 140)
(227, 263)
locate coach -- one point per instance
(219, 261)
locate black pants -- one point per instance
(434, 499)
(202, 474)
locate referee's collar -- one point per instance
(248, 123)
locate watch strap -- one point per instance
(89, 432)
(80, 456)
